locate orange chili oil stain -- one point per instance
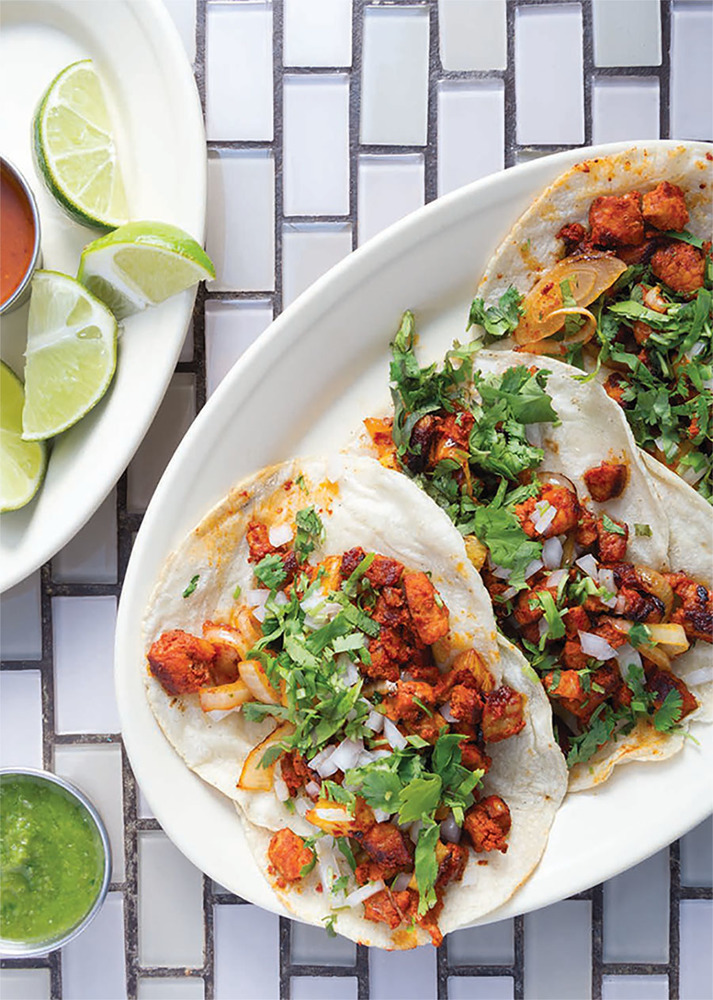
(17, 234)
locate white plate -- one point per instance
(311, 378)
(162, 149)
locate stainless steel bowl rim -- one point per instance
(12, 301)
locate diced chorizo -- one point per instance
(586, 534)
(387, 846)
(606, 481)
(402, 705)
(429, 613)
(289, 855)
(384, 572)
(680, 266)
(466, 705)
(665, 207)
(616, 220)
(576, 620)
(612, 544)
(503, 714)
(182, 662)
(572, 655)
(563, 500)
(422, 437)
(295, 772)
(452, 859)
(383, 907)
(487, 823)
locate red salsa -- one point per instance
(17, 234)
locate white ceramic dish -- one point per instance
(319, 369)
(162, 147)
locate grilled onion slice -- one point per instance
(259, 779)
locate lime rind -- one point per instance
(22, 463)
(75, 150)
(70, 357)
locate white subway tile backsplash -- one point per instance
(471, 125)
(548, 74)
(313, 946)
(473, 34)
(25, 984)
(161, 988)
(636, 913)
(230, 328)
(389, 188)
(83, 631)
(21, 621)
(239, 71)
(241, 212)
(170, 904)
(402, 975)
(308, 251)
(696, 982)
(20, 718)
(481, 988)
(624, 108)
(691, 60)
(316, 145)
(91, 556)
(174, 417)
(394, 85)
(634, 987)
(491, 944)
(247, 961)
(697, 855)
(318, 33)
(321, 988)
(627, 34)
(96, 770)
(569, 977)
(93, 965)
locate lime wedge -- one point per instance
(75, 150)
(71, 354)
(22, 463)
(141, 264)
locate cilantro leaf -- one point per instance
(426, 865)
(419, 798)
(310, 531)
(192, 585)
(498, 319)
(270, 571)
(669, 714)
(555, 625)
(612, 526)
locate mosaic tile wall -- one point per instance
(358, 113)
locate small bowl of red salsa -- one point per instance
(55, 862)
(19, 236)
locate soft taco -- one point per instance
(611, 266)
(603, 588)
(321, 650)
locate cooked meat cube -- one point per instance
(614, 386)
(612, 544)
(350, 561)
(469, 662)
(421, 670)
(429, 728)
(586, 534)
(562, 499)
(614, 636)
(452, 859)
(387, 846)
(295, 772)
(422, 437)
(288, 855)
(661, 682)
(572, 235)
(606, 481)
(384, 572)
(616, 220)
(388, 907)
(695, 612)
(642, 332)
(429, 613)
(259, 544)
(402, 707)
(382, 666)
(526, 608)
(665, 207)
(473, 757)
(466, 705)
(576, 620)
(487, 823)
(391, 609)
(182, 662)
(572, 656)
(502, 714)
(639, 607)
(680, 266)
(451, 438)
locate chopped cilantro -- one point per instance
(499, 319)
(237, 592)
(555, 625)
(642, 530)
(612, 526)
(310, 531)
(270, 571)
(669, 714)
(192, 585)
(419, 798)
(639, 635)
(426, 865)
(329, 921)
(685, 237)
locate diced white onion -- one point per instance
(313, 789)
(588, 564)
(543, 519)
(374, 721)
(397, 740)
(359, 895)
(402, 882)
(542, 627)
(554, 579)
(627, 656)
(281, 598)
(280, 534)
(606, 579)
(534, 434)
(445, 711)
(257, 598)
(532, 568)
(594, 645)
(690, 475)
(346, 754)
(348, 669)
(450, 830)
(701, 676)
(501, 573)
(322, 762)
(381, 816)
(327, 863)
(414, 830)
(302, 805)
(507, 594)
(552, 553)
(282, 792)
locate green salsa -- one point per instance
(51, 860)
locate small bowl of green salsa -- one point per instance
(55, 862)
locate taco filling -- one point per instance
(364, 716)
(629, 290)
(602, 628)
